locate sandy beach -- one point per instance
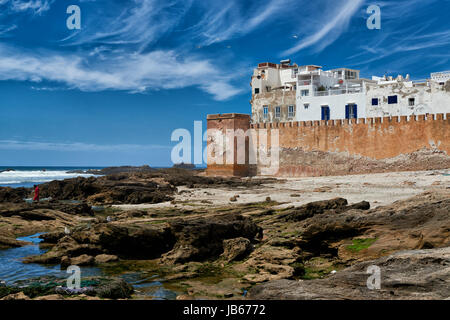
(379, 189)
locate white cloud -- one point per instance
(36, 6)
(135, 72)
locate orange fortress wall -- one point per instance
(355, 146)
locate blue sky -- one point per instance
(113, 92)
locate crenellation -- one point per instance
(371, 137)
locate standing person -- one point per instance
(36, 193)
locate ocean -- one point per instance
(29, 176)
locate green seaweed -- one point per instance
(361, 244)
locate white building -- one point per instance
(285, 92)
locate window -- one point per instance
(266, 112)
(351, 111)
(392, 99)
(325, 113)
(256, 90)
(291, 111)
(277, 112)
(411, 102)
(375, 101)
(304, 93)
(306, 105)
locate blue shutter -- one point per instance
(347, 112)
(355, 111)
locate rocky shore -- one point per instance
(236, 250)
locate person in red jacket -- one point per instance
(36, 193)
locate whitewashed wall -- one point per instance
(336, 103)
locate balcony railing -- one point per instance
(337, 92)
(440, 74)
(308, 83)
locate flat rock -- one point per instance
(415, 274)
(105, 258)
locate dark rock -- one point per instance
(125, 241)
(183, 240)
(82, 209)
(83, 260)
(186, 166)
(52, 237)
(363, 205)
(27, 212)
(105, 258)
(236, 249)
(103, 287)
(9, 242)
(108, 190)
(202, 238)
(65, 262)
(133, 214)
(15, 195)
(115, 170)
(313, 208)
(115, 289)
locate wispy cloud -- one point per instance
(139, 22)
(4, 30)
(323, 34)
(224, 21)
(35, 6)
(135, 72)
(408, 40)
(74, 146)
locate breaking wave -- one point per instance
(25, 177)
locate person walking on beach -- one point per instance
(36, 193)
